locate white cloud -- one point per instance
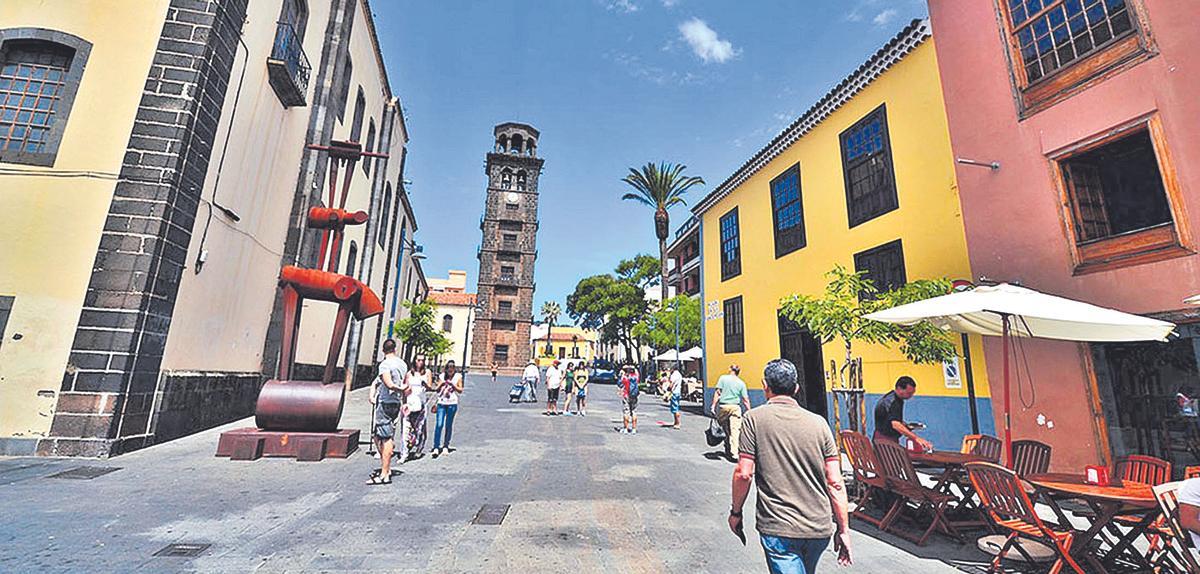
(670, 3)
(705, 43)
(882, 18)
(626, 6)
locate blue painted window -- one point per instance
(731, 251)
(787, 211)
(867, 167)
(1051, 34)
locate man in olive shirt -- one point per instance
(790, 454)
(728, 400)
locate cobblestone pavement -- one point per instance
(583, 499)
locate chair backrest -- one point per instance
(861, 454)
(1191, 472)
(1143, 469)
(1030, 457)
(1002, 493)
(895, 462)
(1168, 502)
(969, 442)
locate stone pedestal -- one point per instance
(253, 444)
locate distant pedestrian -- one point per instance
(450, 386)
(387, 396)
(730, 396)
(581, 383)
(568, 387)
(628, 390)
(675, 392)
(529, 378)
(789, 453)
(419, 381)
(495, 367)
(553, 383)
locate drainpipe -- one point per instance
(369, 235)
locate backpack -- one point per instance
(633, 387)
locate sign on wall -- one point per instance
(952, 373)
(713, 311)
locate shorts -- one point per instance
(581, 393)
(570, 387)
(552, 395)
(628, 405)
(385, 420)
(674, 404)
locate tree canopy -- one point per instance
(642, 270)
(419, 333)
(658, 329)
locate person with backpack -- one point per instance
(628, 389)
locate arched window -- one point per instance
(502, 144)
(351, 258)
(383, 216)
(360, 105)
(447, 323)
(521, 180)
(295, 14)
(369, 146)
(40, 71)
(518, 144)
(506, 179)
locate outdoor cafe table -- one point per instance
(954, 472)
(1107, 502)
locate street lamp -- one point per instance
(418, 255)
(467, 336)
(675, 304)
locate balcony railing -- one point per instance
(287, 68)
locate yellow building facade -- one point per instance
(785, 219)
(567, 344)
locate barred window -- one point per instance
(788, 211)
(32, 80)
(867, 168)
(884, 266)
(735, 337)
(731, 252)
(1051, 34)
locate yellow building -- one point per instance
(566, 343)
(156, 153)
(864, 179)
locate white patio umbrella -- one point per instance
(1005, 310)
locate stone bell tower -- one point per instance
(508, 251)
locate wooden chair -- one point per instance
(1009, 506)
(1191, 472)
(1172, 552)
(1030, 457)
(1142, 469)
(866, 472)
(985, 445)
(902, 480)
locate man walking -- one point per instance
(530, 378)
(553, 384)
(387, 394)
(728, 400)
(675, 387)
(889, 414)
(790, 455)
(628, 389)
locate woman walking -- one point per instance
(581, 382)
(568, 387)
(449, 389)
(418, 383)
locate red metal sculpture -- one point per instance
(299, 418)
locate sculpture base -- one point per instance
(253, 444)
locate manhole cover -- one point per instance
(491, 514)
(183, 549)
(86, 472)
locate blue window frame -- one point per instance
(787, 211)
(731, 246)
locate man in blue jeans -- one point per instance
(790, 455)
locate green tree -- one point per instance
(642, 270)
(839, 315)
(550, 313)
(611, 306)
(419, 333)
(660, 187)
(658, 329)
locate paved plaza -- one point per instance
(582, 498)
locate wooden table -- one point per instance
(954, 472)
(1107, 502)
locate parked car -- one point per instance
(604, 376)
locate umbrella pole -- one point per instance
(1007, 399)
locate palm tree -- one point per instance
(550, 313)
(660, 187)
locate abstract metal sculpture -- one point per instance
(299, 418)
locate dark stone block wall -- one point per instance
(112, 375)
(195, 401)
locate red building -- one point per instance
(1090, 107)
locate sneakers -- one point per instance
(436, 452)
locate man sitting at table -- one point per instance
(1189, 509)
(889, 414)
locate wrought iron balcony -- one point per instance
(287, 67)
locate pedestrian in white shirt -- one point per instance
(675, 386)
(529, 377)
(553, 383)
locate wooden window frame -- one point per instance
(1116, 56)
(730, 269)
(886, 154)
(895, 245)
(1158, 243)
(782, 237)
(735, 342)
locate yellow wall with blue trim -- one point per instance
(928, 223)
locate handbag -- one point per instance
(714, 435)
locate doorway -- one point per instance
(800, 347)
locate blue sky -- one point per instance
(610, 84)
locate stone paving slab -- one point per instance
(582, 499)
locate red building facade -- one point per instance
(1090, 108)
